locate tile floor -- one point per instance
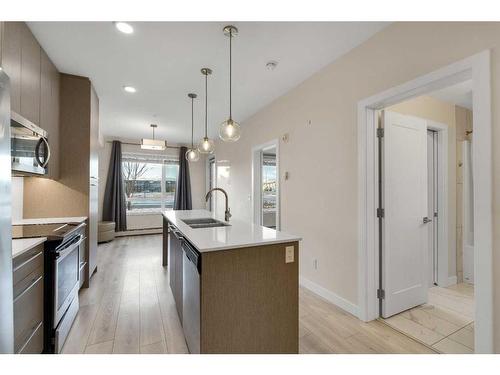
(446, 323)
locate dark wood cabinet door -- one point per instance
(94, 179)
(11, 61)
(49, 111)
(30, 76)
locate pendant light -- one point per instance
(229, 130)
(206, 145)
(153, 144)
(192, 154)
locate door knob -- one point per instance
(426, 220)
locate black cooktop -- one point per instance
(51, 231)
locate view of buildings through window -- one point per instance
(269, 181)
(149, 184)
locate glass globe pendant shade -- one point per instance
(229, 131)
(206, 146)
(192, 155)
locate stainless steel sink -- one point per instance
(206, 222)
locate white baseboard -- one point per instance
(138, 232)
(452, 280)
(330, 296)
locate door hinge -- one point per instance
(380, 212)
(380, 132)
(380, 293)
(435, 214)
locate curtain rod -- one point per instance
(138, 144)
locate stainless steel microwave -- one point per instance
(30, 150)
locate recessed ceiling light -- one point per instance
(124, 27)
(271, 65)
(129, 89)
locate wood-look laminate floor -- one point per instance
(129, 308)
(446, 323)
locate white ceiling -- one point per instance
(459, 94)
(162, 60)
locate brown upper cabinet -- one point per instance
(49, 110)
(11, 61)
(34, 84)
(30, 76)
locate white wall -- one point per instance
(319, 201)
(17, 198)
(148, 220)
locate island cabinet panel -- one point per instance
(249, 300)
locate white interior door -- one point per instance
(432, 203)
(405, 246)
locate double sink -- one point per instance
(206, 222)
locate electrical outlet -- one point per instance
(315, 264)
(289, 254)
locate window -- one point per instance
(268, 176)
(149, 182)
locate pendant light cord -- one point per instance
(192, 123)
(230, 72)
(206, 103)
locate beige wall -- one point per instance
(17, 198)
(429, 108)
(319, 201)
(197, 174)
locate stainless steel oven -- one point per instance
(66, 275)
(30, 150)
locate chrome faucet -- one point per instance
(227, 213)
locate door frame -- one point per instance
(477, 69)
(443, 279)
(256, 177)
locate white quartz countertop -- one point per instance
(239, 234)
(22, 245)
(50, 220)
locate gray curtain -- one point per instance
(114, 196)
(183, 190)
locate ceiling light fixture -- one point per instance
(129, 89)
(192, 154)
(124, 27)
(271, 65)
(229, 130)
(153, 144)
(206, 145)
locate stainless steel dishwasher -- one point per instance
(191, 296)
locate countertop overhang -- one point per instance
(51, 220)
(238, 234)
(20, 246)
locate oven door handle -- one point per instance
(63, 253)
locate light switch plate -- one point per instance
(289, 254)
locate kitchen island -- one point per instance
(235, 284)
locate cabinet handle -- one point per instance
(28, 288)
(33, 330)
(27, 261)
